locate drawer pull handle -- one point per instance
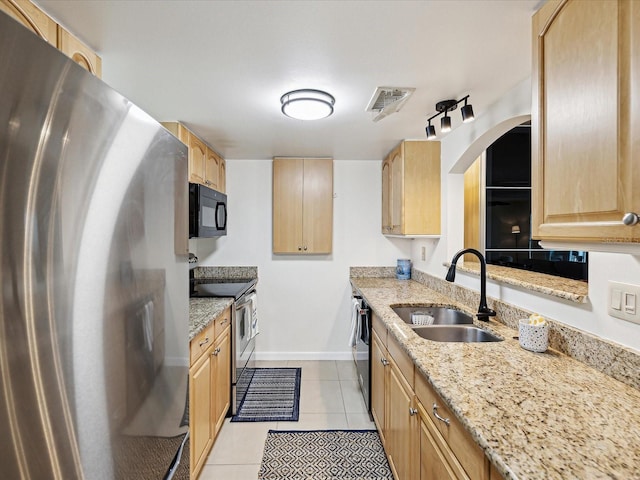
(205, 341)
(412, 411)
(630, 218)
(224, 321)
(384, 361)
(435, 414)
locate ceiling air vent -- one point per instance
(388, 100)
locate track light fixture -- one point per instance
(444, 107)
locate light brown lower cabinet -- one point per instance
(378, 381)
(433, 463)
(421, 437)
(209, 388)
(402, 426)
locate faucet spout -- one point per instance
(484, 312)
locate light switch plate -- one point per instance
(623, 301)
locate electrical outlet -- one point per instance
(424, 253)
(623, 301)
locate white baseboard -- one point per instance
(280, 356)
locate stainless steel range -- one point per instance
(244, 327)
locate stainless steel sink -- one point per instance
(456, 333)
(416, 315)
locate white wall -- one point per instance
(459, 149)
(303, 301)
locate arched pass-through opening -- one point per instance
(480, 144)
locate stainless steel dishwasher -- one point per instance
(362, 349)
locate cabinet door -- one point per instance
(200, 421)
(386, 196)
(197, 160)
(31, 17)
(287, 205)
(397, 182)
(211, 169)
(402, 426)
(221, 379)
(317, 206)
(433, 464)
(585, 137)
(79, 52)
(222, 176)
(378, 380)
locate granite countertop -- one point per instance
(202, 311)
(536, 415)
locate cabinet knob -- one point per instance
(630, 219)
(384, 361)
(305, 249)
(412, 411)
(299, 249)
(216, 351)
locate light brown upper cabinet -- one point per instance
(411, 189)
(212, 169)
(31, 17)
(42, 25)
(302, 205)
(206, 167)
(586, 121)
(79, 52)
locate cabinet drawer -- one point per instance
(201, 343)
(465, 449)
(401, 358)
(221, 322)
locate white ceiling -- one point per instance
(221, 66)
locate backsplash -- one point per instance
(225, 272)
(610, 358)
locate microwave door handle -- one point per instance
(224, 211)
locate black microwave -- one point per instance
(207, 212)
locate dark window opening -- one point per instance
(508, 239)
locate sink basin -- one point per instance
(456, 333)
(417, 315)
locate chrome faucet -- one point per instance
(484, 312)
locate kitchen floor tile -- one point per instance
(230, 472)
(240, 443)
(328, 390)
(316, 369)
(360, 421)
(271, 363)
(346, 370)
(352, 396)
(316, 421)
(321, 396)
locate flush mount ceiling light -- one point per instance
(307, 104)
(444, 107)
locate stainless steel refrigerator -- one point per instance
(94, 276)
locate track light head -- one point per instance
(445, 123)
(467, 112)
(431, 131)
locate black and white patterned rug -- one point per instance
(324, 455)
(273, 395)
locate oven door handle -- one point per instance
(244, 300)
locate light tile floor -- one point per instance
(330, 398)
